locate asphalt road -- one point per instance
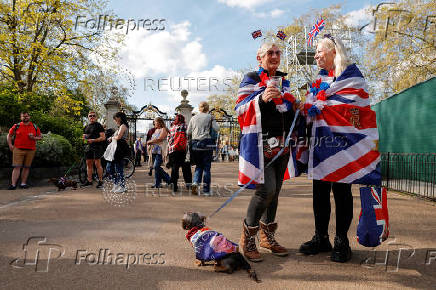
(77, 240)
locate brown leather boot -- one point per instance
(248, 243)
(267, 240)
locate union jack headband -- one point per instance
(329, 36)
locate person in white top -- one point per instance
(160, 150)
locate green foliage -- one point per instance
(44, 113)
(52, 151)
(64, 126)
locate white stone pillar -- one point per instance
(184, 108)
(112, 107)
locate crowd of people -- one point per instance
(180, 146)
(183, 145)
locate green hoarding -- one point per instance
(407, 121)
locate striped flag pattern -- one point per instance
(373, 226)
(344, 143)
(281, 35)
(319, 25)
(251, 162)
(256, 34)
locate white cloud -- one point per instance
(163, 52)
(248, 4)
(276, 12)
(358, 18)
(272, 14)
(203, 84)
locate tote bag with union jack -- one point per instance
(373, 227)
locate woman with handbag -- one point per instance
(115, 168)
(200, 128)
(160, 151)
(177, 148)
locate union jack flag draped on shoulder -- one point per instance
(251, 161)
(319, 25)
(344, 135)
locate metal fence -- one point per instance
(413, 173)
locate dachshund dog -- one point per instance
(213, 246)
(62, 183)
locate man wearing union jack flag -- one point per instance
(343, 149)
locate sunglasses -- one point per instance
(91, 116)
(271, 52)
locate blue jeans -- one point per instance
(115, 170)
(203, 160)
(159, 173)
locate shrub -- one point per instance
(52, 151)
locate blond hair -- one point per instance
(203, 107)
(161, 122)
(341, 60)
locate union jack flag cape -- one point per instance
(251, 162)
(373, 225)
(344, 135)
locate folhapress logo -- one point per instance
(38, 253)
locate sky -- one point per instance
(202, 38)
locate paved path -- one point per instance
(90, 233)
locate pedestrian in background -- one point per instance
(199, 130)
(160, 150)
(177, 148)
(138, 151)
(23, 150)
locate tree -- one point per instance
(227, 101)
(403, 51)
(45, 48)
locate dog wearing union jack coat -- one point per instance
(210, 245)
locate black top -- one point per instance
(93, 131)
(274, 123)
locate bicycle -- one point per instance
(129, 169)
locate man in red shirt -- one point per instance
(23, 149)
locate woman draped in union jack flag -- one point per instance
(265, 113)
(343, 147)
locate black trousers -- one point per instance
(322, 208)
(263, 204)
(177, 160)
